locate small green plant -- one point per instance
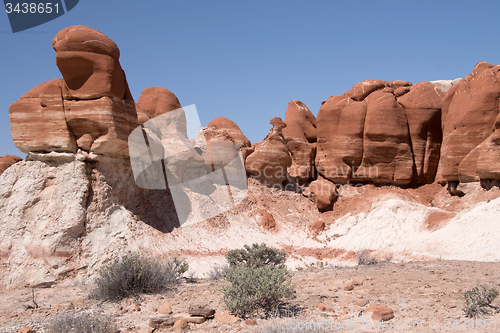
(82, 323)
(254, 289)
(133, 275)
(259, 280)
(478, 301)
(256, 256)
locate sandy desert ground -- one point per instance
(425, 297)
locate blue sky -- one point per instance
(247, 60)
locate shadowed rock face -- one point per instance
(422, 106)
(470, 122)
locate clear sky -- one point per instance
(246, 60)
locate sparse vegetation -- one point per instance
(478, 301)
(365, 257)
(256, 256)
(259, 281)
(72, 322)
(218, 272)
(133, 275)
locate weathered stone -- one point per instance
(325, 307)
(323, 193)
(8, 160)
(165, 309)
(226, 318)
(422, 106)
(207, 313)
(470, 109)
(159, 322)
(155, 101)
(271, 158)
(300, 135)
(361, 302)
(38, 120)
(382, 313)
(234, 132)
(88, 61)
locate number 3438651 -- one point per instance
(32, 8)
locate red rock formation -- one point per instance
(38, 121)
(8, 160)
(271, 158)
(222, 123)
(363, 136)
(155, 101)
(422, 106)
(470, 110)
(91, 108)
(300, 135)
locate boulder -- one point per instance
(323, 193)
(382, 313)
(469, 113)
(8, 160)
(271, 158)
(300, 135)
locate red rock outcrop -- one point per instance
(470, 110)
(381, 132)
(233, 130)
(155, 101)
(91, 108)
(422, 106)
(300, 135)
(363, 137)
(38, 121)
(8, 160)
(271, 158)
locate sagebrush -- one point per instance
(72, 322)
(256, 256)
(259, 281)
(132, 275)
(218, 272)
(478, 301)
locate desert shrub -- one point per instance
(133, 275)
(478, 301)
(256, 256)
(256, 289)
(218, 272)
(82, 323)
(365, 258)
